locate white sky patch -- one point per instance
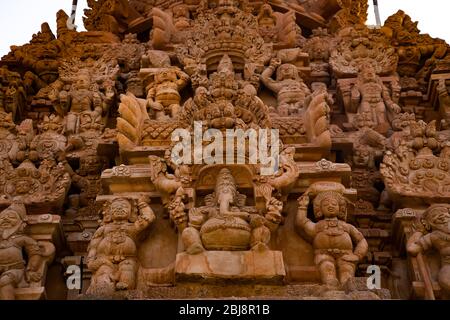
(20, 19)
(431, 14)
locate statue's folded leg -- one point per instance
(102, 282)
(127, 275)
(327, 269)
(9, 280)
(444, 278)
(191, 240)
(346, 270)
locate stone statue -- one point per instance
(81, 98)
(163, 91)
(290, 89)
(181, 17)
(225, 223)
(444, 100)
(435, 233)
(108, 16)
(13, 270)
(373, 98)
(12, 92)
(87, 180)
(338, 246)
(112, 253)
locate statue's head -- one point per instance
(120, 209)
(266, 8)
(12, 219)
(362, 157)
(330, 204)
(225, 187)
(83, 80)
(180, 11)
(368, 73)
(247, 94)
(266, 11)
(225, 65)
(23, 186)
(287, 71)
(437, 218)
(166, 75)
(201, 93)
(90, 164)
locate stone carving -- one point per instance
(225, 100)
(334, 89)
(434, 233)
(278, 28)
(163, 86)
(444, 100)
(50, 143)
(226, 223)
(12, 93)
(112, 253)
(359, 46)
(333, 238)
(84, 103)
(15, 272)
(40, 57)
(112, 16)
(419, 165)
(135, 128)
(46, 185)
(226, 29)
(9, 145)
(290, 89)
(282, 180)
(129, 59)
(367, 148)
(351, 13)
(164, 182)
(372, 100)
(318, 48)
(87, 180)
(418, 53)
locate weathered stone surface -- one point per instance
(358, 119)
(257, 267)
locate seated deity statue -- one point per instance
(163, 94)
(225, 223)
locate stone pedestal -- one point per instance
(257, 267)
(35, 293)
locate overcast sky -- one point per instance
(20, 19)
